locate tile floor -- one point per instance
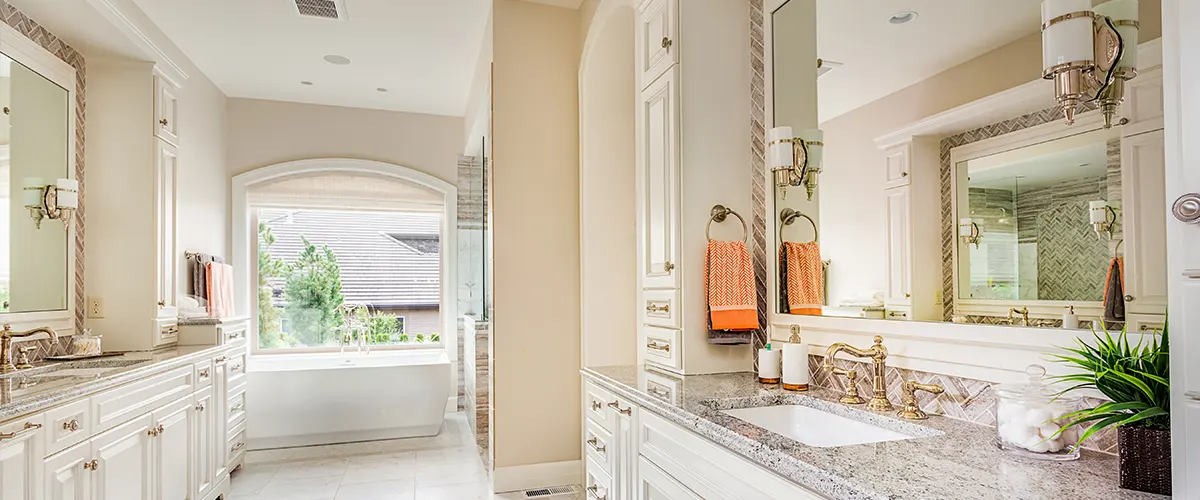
(445, 467)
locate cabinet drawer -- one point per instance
(118, 405)
(237, 406)
(657, 38)
(654, 484)
(595, 401)
(598, 445)
(232, 333)
(711, 471)
(237, 366)
(168, 333)
(661, 346)
(68, 425)
(597, 483)
(204, 374)
(661, 386)
(1146, 323)
(661, 308)
(237, 442)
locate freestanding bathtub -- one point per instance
(311, 399)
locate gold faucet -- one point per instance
(878, 353)
(6, 336)
(1024, 312)
(910, 409)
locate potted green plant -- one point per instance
(1136, 380)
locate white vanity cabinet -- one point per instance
(21, 452)
(634, 454)
(156, 438)
(134, 163)
(913, 246)
(1143, 179)
(672, 160)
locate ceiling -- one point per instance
(423, 52)
(1037, 171)
(881, 58)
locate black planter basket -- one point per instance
(1145, 456)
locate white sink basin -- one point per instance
(814, 427)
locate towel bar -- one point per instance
(718, 214)
(788, 216)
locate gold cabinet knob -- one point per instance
(667, 43)
(668, 266)
(1128, 298)
(162, 303)
(72, 426)
(163, 122)
(92, 465)
(596, 405)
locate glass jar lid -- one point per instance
(1037, 390)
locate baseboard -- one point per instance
(452, 404)
(525, 477)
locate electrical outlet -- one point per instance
(95, 307)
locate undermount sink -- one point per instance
(814, 427)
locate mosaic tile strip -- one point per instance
(965, 399)
(758, 175)
(40, 35)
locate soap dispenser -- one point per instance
(1070, 320)
(795, 362)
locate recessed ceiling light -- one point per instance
(381, 89)
(306, 82)
(903, 17)
(336, 59)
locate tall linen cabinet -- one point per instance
(692, 67)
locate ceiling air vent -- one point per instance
(323, 9)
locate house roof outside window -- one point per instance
(389, 260)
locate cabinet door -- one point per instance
(654, 484)
(205, 443)
(897, 169)
(657, 39)
(166, 169)
(220, 408)
(625, 471)
(899, 262)
(123, 463)
(1144, 222)
(1143, 105)
(173, 450)
(658, 182)
(21, 461)
(166, 110)
(66, 476)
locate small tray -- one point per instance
(77, 357)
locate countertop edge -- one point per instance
(846, 490)
(109, 382)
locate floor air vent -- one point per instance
(324, 9)
(551, 492)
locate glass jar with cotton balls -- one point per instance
(1030, 419)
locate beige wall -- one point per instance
(535, 202)
(608, 176)
(262, 133)
(852, 181)
(203, 195)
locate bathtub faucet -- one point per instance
(362, 342)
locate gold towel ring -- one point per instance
(718, 214)
(788, 216)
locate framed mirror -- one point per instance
(948, 188)
(37, 184)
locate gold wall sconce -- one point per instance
(795, 160)
(1089, 53)
(968, 232)
(1103, 217)
(57, 201)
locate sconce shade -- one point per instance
(1070, 40)
(33, 189)
(965, 227)
(68, 193)
(1123, 10)
(780, 154)
(1098, 212)
(816, 152)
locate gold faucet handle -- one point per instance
(911, 410)
(23, 360)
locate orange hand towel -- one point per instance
(729, 286)
(220, 290)
(805, 278)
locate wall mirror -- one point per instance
(38, 186)
(935, 200)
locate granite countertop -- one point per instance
(949, 459)
(51, 384)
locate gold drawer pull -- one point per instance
(652, 308)
(596, 405)
(220, 360)
(235, 409)
(235, 368)
(72, 426)
(237, 447)
(30, 428)
(661, 393)
(658, 347)
(595, 444)
(204, 373)
(616, 406)
(592, 492)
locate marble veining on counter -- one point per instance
(948, 459)
(199, 320)
(53, 383)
